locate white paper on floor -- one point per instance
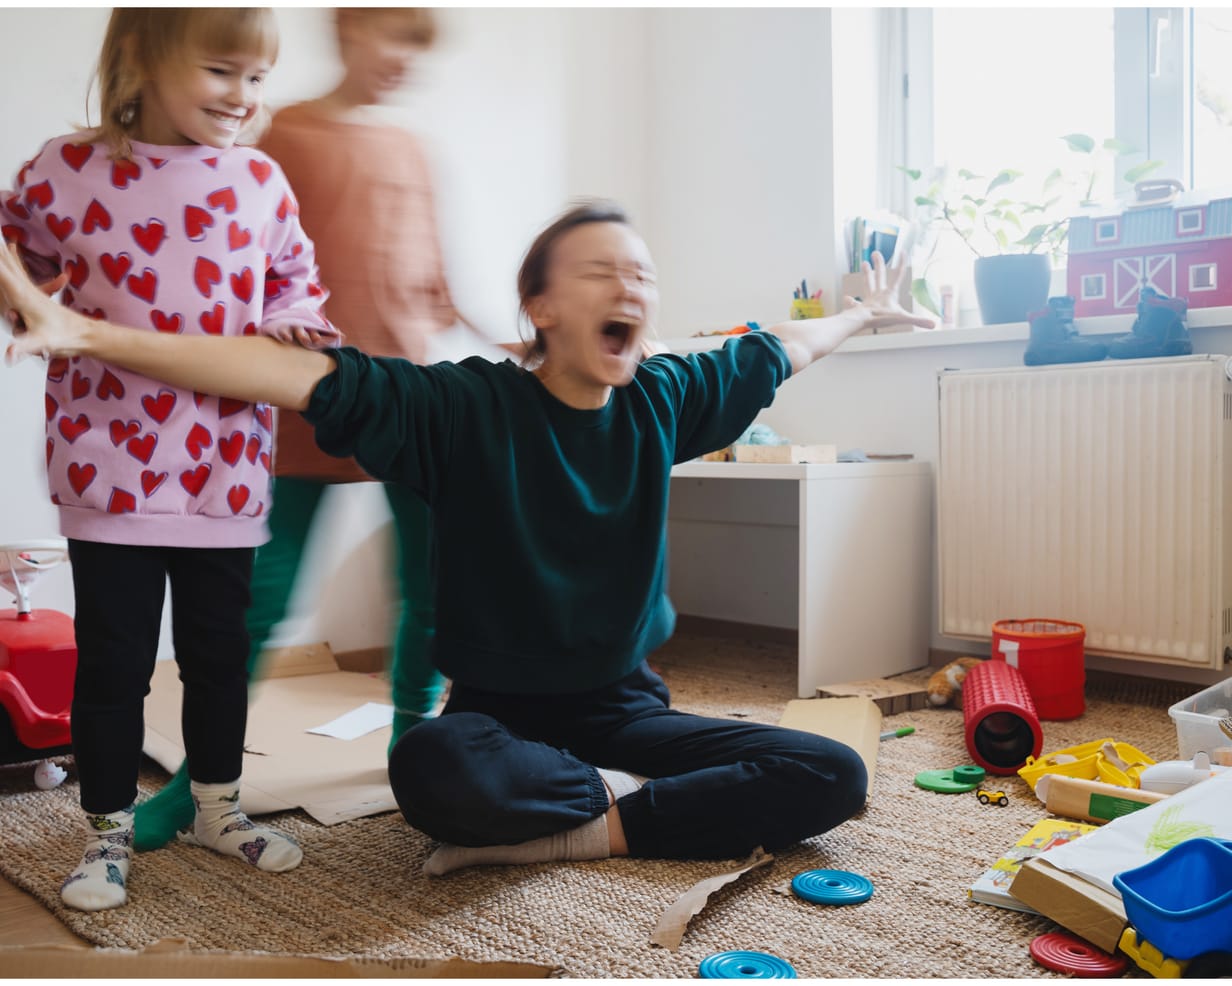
(358, 722)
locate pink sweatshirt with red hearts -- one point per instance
(178, 239)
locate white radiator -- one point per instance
(1094, 492)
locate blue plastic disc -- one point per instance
(832, 887)
(745, 965)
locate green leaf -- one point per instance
(1003, 178)
(925, 200)
(1140, 171)
(1080, 143)
(1002, 240)
(969, 211)
(915, 173)
(1053, 178)
(922, 292)
(1119, 146)
(966, 175)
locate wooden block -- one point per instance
(891, 697)
(786, 453)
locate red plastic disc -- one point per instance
(1069, 953)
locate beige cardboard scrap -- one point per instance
(174, 960)
(892, 697)
(855, 721)
(1076, 905)
(284, 766)
(675, 919)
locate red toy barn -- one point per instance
(1182, 249)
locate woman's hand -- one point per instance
(879, 302)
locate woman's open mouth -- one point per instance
(615, 335)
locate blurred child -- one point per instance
(366, 198)
(161, 221)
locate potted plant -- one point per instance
(1015, 237)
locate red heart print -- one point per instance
(159, 408)
(198, 397)
(57, 368)
(81, 476)
(109, 386)
(237, 496)
(198, 440)
(73, 430)
(122, 172)
(286, 207)
(228, 406)
(264, 415)
(231, 447)
(214, 320)
(142, 448)
(252, 449)
(14, 234)
(115, 266)
(76, 155)
(196, 221)
(40, 195)
(80, 386)
(97, 313)
(51, 405)
(261, 170)
(59, 228)
(78, 270)
(193, 480)
(67, 297)
(121, 501)
(96, 217)
(158, 162)
(315, 290)
(297, 249)
(166, 323)
(144, 287)
(223, 198)
(151, 481)
(206, 274)
(121, 430)
(211, 161)
(150, 236)
(237, 237)
(250, 329)
(242, 284)
(274, 286)
(13, 204)
(51, 445)
(265, 461)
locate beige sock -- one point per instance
(100, 880)
(587, 841)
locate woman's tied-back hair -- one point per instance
(416, 24)
(140, 40)
(533, 274)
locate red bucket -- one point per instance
(1049, 654)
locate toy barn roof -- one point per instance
(1155, 224)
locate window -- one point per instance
(1093, 287)
(1202, 277)
(1107, 231)
(1188, 222)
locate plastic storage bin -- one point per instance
(1181, 902)
(1197, 720)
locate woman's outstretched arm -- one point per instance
(250, 368)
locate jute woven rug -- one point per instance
(360, 890)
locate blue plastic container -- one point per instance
(1181, 902)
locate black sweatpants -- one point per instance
(495, 769)
(119, 591)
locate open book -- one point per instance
(993, 886)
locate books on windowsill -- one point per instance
(993, 885)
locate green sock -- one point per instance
(169, 811)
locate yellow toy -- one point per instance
(946, 684)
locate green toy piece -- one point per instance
(956, 780)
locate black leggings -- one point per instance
(497, 769)
(119, 591)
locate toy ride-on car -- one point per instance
(38, 660)
(995, 797)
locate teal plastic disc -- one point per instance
(745, 965)
(832, 887)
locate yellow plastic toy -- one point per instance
(1104, 759)
(1149, 958)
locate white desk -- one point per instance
(842, 553)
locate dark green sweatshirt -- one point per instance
(550, 522)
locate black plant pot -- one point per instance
(1009, 285)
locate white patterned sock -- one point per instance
(619, 782)
(100, 880)
(588, 841)
(221, 826)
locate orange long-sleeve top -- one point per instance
(366, 199)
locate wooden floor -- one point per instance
(24, 921)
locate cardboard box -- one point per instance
(786, 453)
(285, 767)
(174, 960)
(855, 721)
(1076, 905)
(891, 697)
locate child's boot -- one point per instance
(1055, 339)
(1159, 329)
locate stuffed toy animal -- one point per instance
(946, 684)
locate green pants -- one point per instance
(415, 683)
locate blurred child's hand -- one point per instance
(305, 336)
(40, 327)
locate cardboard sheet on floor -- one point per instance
(286, 767)
(855, 721)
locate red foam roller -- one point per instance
(1001, 725)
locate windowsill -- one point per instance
(1198, 318)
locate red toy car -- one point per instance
(38, 660)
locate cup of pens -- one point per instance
(804, 305)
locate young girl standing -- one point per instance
(558, 740)
(160, 221)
